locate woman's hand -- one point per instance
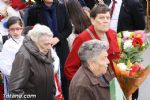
(3, 12)
(101, 1)
(55, 41)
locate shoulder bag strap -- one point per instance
(90, 33)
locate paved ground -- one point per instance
(145, 90)
(145, 87)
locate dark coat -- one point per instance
(86, 86)
(131, 16)
(82, 2)
(35, 15)
(90, 3)
(32, 73)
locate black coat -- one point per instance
(131, 16)
(36, 15)
(90, 3)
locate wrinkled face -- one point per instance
(48, 1)
(100, 64)
(101, 22)
(44, 44)
(15, 30)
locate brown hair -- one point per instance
(98, 9)
(13, 20)
(77, 16)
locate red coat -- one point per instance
(73, 63)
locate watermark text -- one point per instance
(19, 96)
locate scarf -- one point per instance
(50, 13)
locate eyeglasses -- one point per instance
(14, 29)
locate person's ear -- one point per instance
(91, 64)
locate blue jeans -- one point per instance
(6, 87)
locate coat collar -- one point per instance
(91, 28)
(114, 52)
(33, 49)
(110, 33)
(94, 79)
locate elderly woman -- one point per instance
(88, 83)
(54, 15)
(100, 17)
(32, 71)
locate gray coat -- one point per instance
(32, 73)
(86, 86)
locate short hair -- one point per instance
(99, 9)
(13, 20)
(91, 49)
(38, 31)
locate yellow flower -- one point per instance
(131, 34)
(119, 42)
(129, 63)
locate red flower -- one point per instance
(137, 41)
(1, 17)
(134, 69)
(18, 4)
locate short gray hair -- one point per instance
(38, 31)
(91, 49)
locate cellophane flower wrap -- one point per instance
(129, 72)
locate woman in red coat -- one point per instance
(100, 17)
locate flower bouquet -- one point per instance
(18, 4)
(129, 72)
(1, 17)
(21, 4)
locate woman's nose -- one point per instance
(108, 61)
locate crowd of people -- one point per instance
(63, 49)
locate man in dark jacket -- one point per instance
(127, 15)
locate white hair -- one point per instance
(91, 49)
(38, 31)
